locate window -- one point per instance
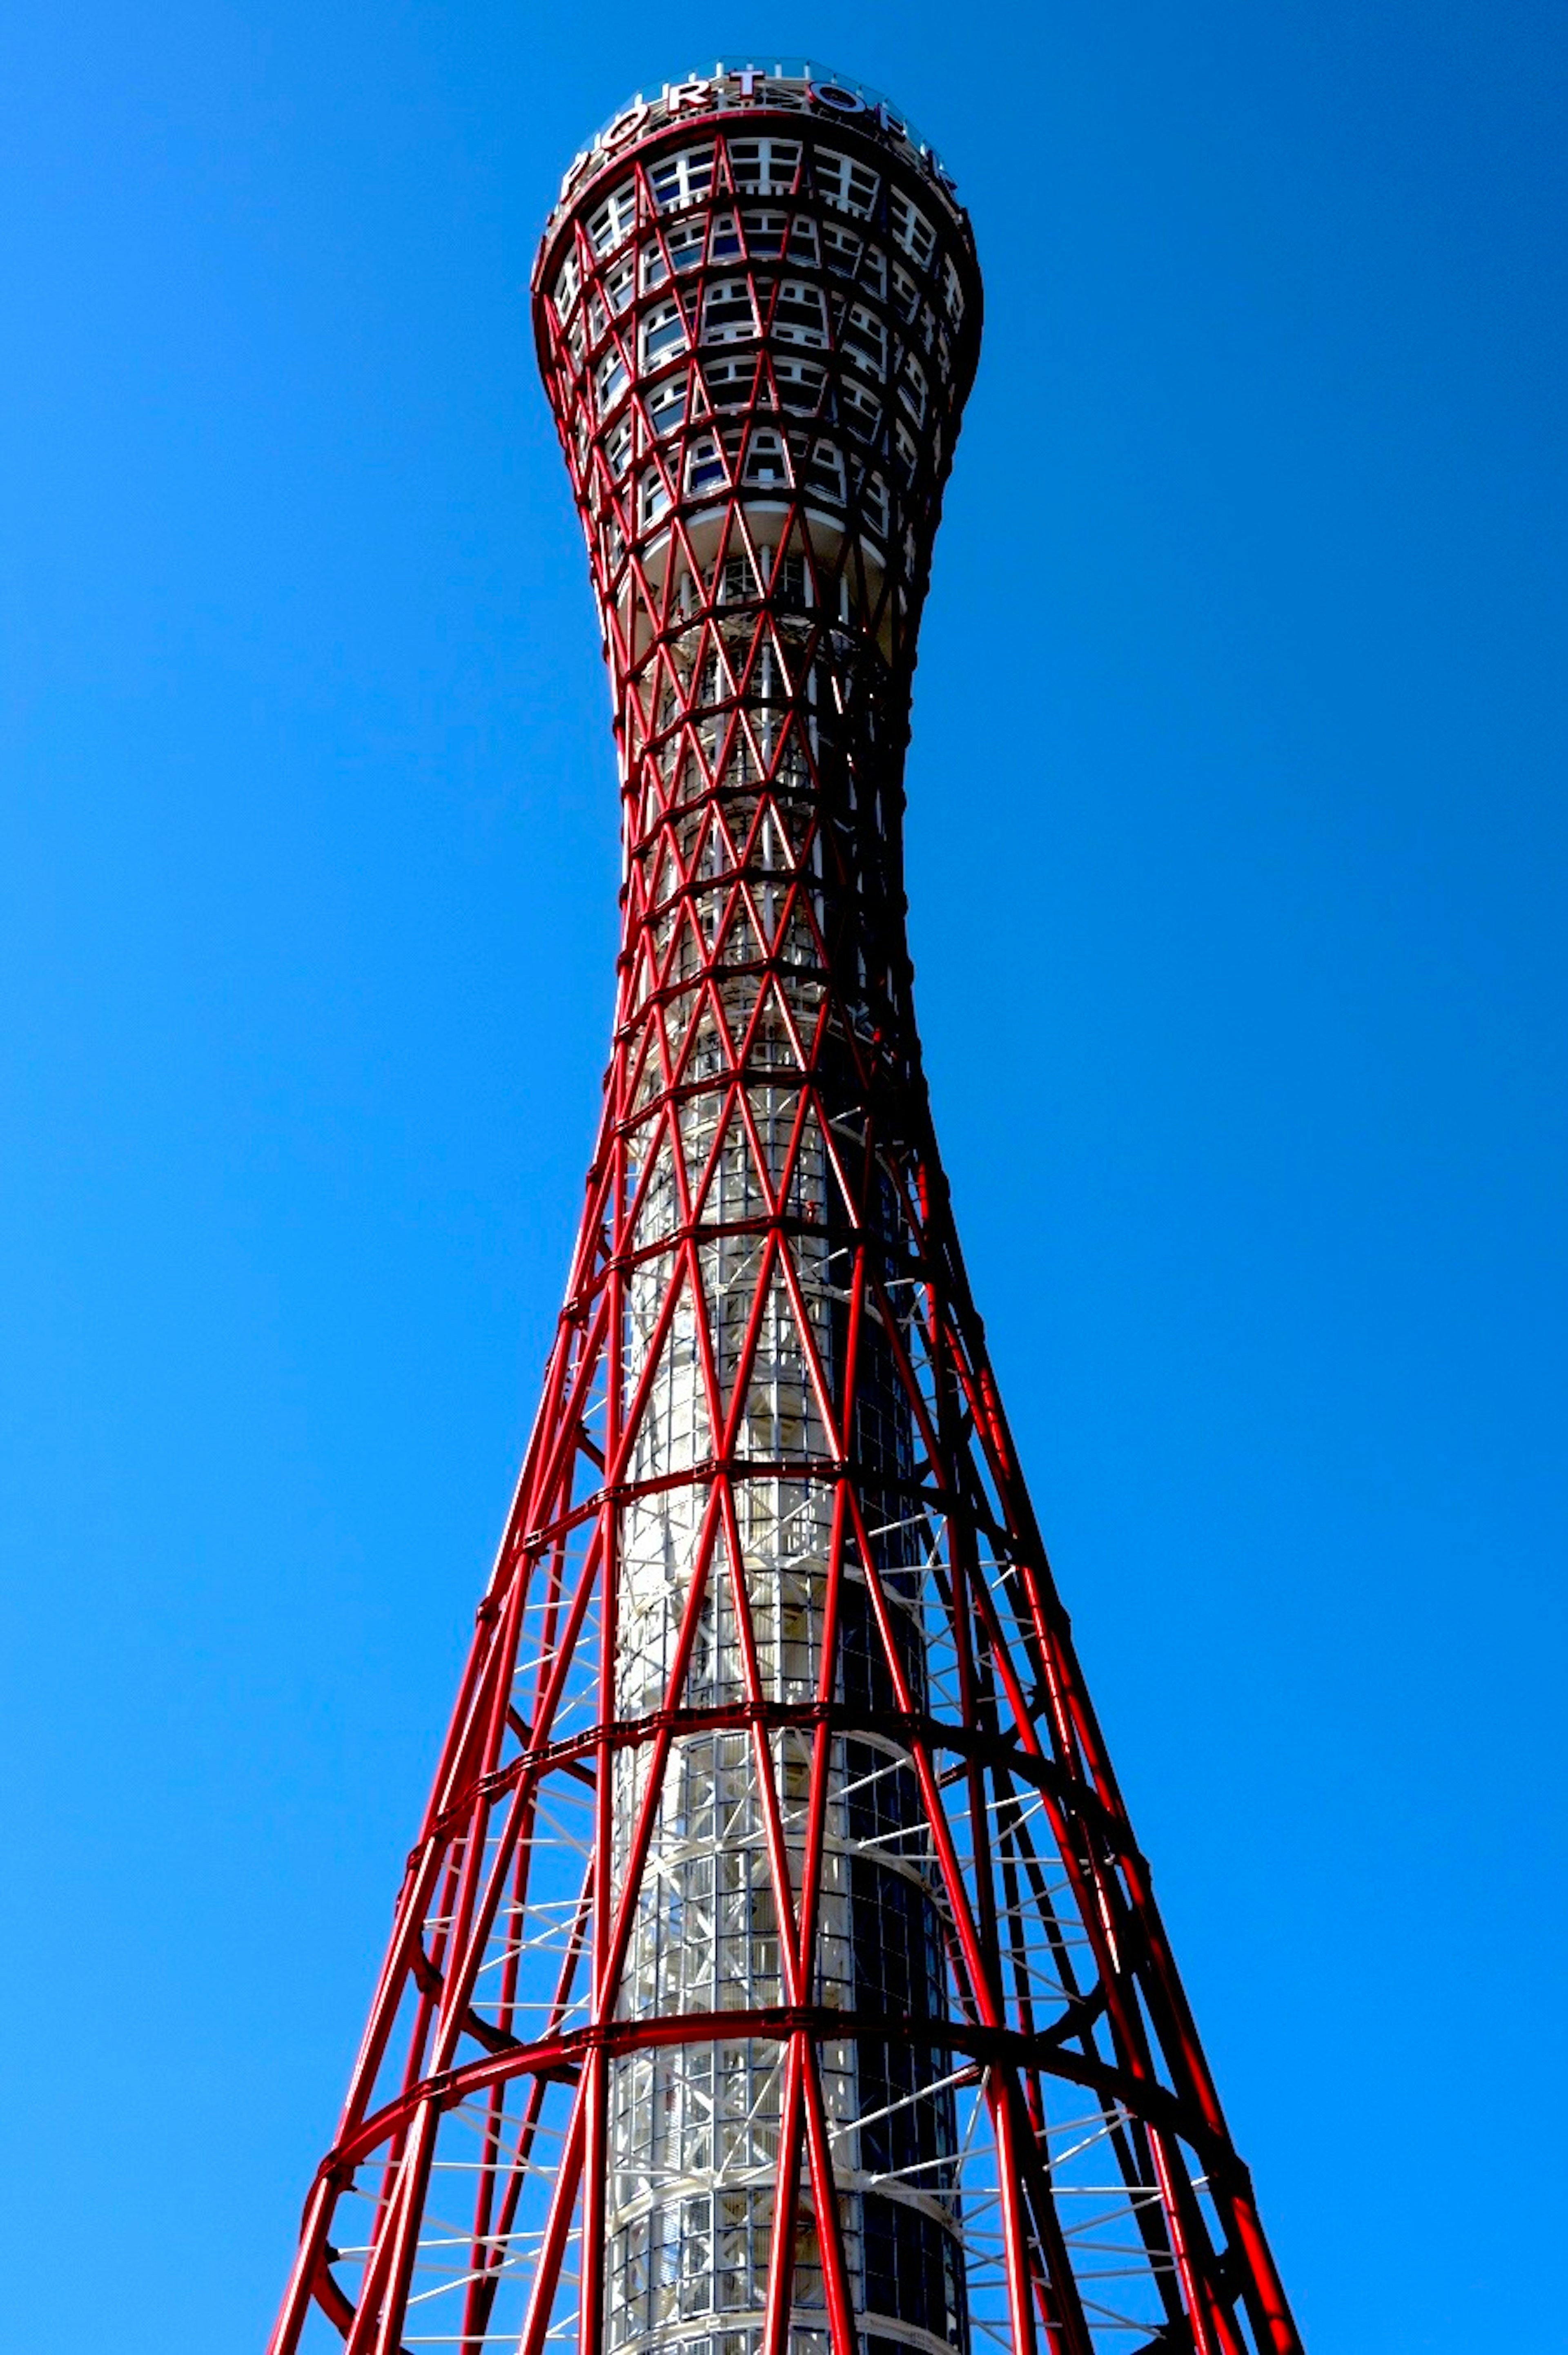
(613, 218)
(912, 229)
(680, 249)
(610, 380)
(843, 249)
(864, 339)
(730, 383)
(792, 584)
(765, 167)
(905, 451)
(738, 584)
(825, 474)
(686, 240)
(682, 179)
(905, 292)
(775, 237)
(566, 284)
(618, 284)
(663, 333)
(952, 291)
(847, 185)
(617, 447)
(861, 409)
(801, 245)
(799, 383)
(911, 2269)
(764, 233)
(653, 498)
(728, 314)
(799, 315)
(912, 388)
(874, 497)
(705, 465)
(766, 463)
(667, 405)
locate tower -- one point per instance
(775, 1972)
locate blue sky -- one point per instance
(1237, 862)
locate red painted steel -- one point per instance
(776, 1968)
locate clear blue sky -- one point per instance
(1237, 864)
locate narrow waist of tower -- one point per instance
(758, 1035)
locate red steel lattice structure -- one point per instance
(775, 1972)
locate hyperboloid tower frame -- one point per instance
(775, 1972)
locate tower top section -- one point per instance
(792, 86)
(758, 312)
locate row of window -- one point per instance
(767, 451)
(709, 469)
(707, 239)
(799, 388)
(763, 166)
(792, 314)
(718, 237)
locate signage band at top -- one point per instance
(746, 86)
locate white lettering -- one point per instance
(837, 101)
(679, 95)
(625, 126)
(578, 167)
(750, 88)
